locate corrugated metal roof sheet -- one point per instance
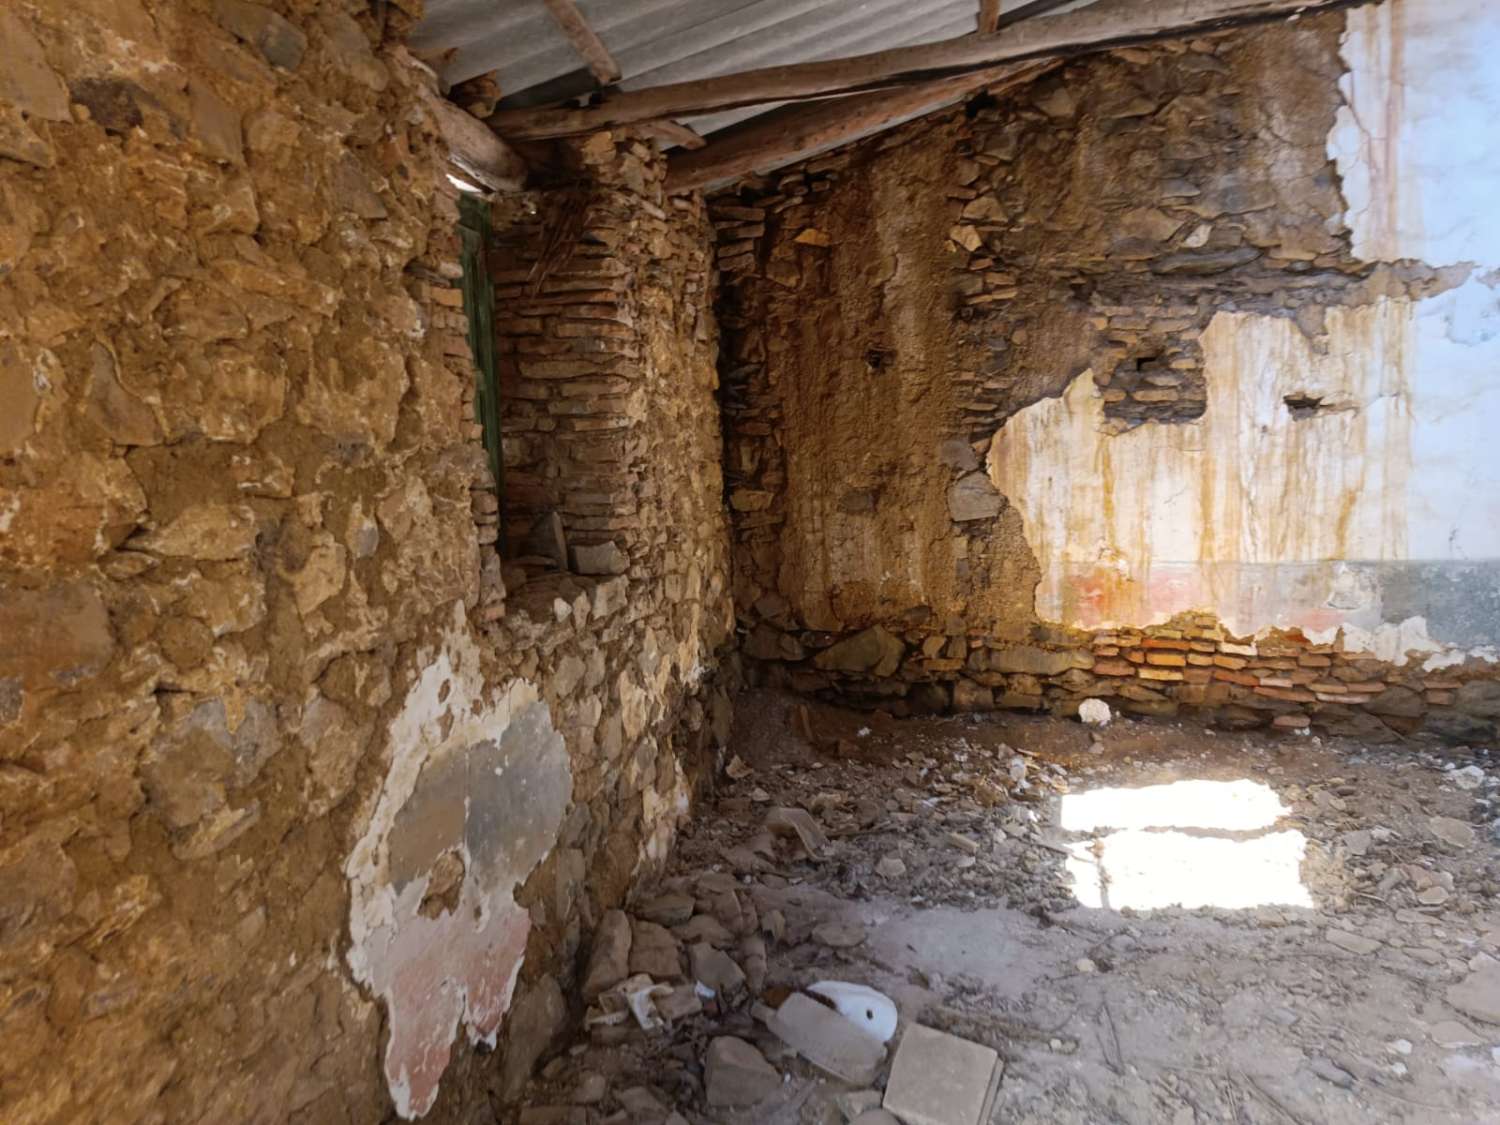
(658, 41)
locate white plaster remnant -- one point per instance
(1415, 139)
(1266, 515)
(472, 801)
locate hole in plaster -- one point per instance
(1304, 405)
(444, 690)
(444, 885)
(876, 359)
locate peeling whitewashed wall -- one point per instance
(1272, 516)
(1343, 477)
(1415, 142)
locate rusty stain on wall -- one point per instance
(473, 801)
(1312, 455)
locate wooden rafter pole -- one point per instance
(600, 62)
(782, 136)
(1104, 25)
(673, 133)
(989, 16)
(474, 150)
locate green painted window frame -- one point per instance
(479, 308)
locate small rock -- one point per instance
(654, 951)
(840, 935)
(1331, 1072)
(1470, 777)
(1478, 994)
(640, 1102)
(851, 1103)
(667, 910)
(1452, 1035)
(890, 867)
(798, 823)
(1357, 843)
(963, 843)
(736, 1074)
(680, 1003)
(718, 972)
(1454, 833)
(753, 960)
(554, 1115)
(1357, 944)
(1095, 712)
(1085, 965)
(705, 927)
(590, 1088)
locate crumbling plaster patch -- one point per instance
(479, 779)
(1316, 518)
(1269, 517)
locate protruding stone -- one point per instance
(599, 558)
(26, 81)
(973, 497)
(609, 961)
(279, 41)
(873, 650)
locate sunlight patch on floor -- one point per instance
(1219, 806)
(1176, 845)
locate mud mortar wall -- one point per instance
(1115, 358)
(299, 805)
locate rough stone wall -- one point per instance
(1147, 376)
(293, 791)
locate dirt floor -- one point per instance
(1335, 959)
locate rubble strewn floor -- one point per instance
(959, 855)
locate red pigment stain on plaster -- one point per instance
(1172, 592)
(447, 972)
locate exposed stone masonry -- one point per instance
(257, 630)
(1097, 220)
(587, 348)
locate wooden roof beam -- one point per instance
(989, 16)
(1101, 26)
(785, 135)
(473, 148)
